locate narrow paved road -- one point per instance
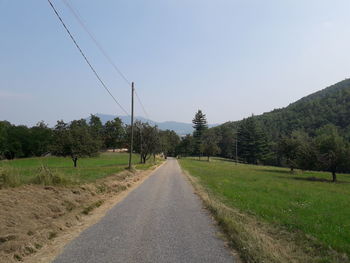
(160, 221)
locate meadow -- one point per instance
(28, 170)
(301, 202)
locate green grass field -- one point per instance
(300, 201)
(88, 170)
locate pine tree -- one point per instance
(200, 125)
(252, 141)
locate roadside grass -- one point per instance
(262, 207)
(58, 200)
(148, 164)
(60, 171)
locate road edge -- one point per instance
(52, 250)
(200, 192)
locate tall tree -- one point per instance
(200, 125)
(114, 134)
(252, 141)
(40, 139)
(227, 136)
(61, 139)
(96, 127)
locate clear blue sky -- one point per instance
(230, 58)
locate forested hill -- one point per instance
(328, 106)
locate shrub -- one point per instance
(9, 177)
(47, 176)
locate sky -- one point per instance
(229, 58)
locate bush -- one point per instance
(47, 176)
(9, 177)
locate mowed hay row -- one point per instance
(32, 216)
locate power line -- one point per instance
(143, 107)
(92, 36)
(103, 51)
(85, 58)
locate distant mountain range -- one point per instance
(180, 128)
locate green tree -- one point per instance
(18, 142)
(40, 139)
(252, 141)
(146, 140)
(61, 139)
(114, 134)
(74, 140)
(227, 136)
(186, 146)
(200, 125)
(209, 146)
(21, 141)
(333, 150)
(288, 148)
(96, 128)
(307, 151)
(169, 141)
(4, 126)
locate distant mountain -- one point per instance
(180, 128)
(328, 106)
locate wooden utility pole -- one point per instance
(132, 123)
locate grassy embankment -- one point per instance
(271, 215)
(45, 199)
(60, 171)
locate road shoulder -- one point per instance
(54, 216)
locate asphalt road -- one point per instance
(160, 221)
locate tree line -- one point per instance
(328, 149)
(82, 138)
